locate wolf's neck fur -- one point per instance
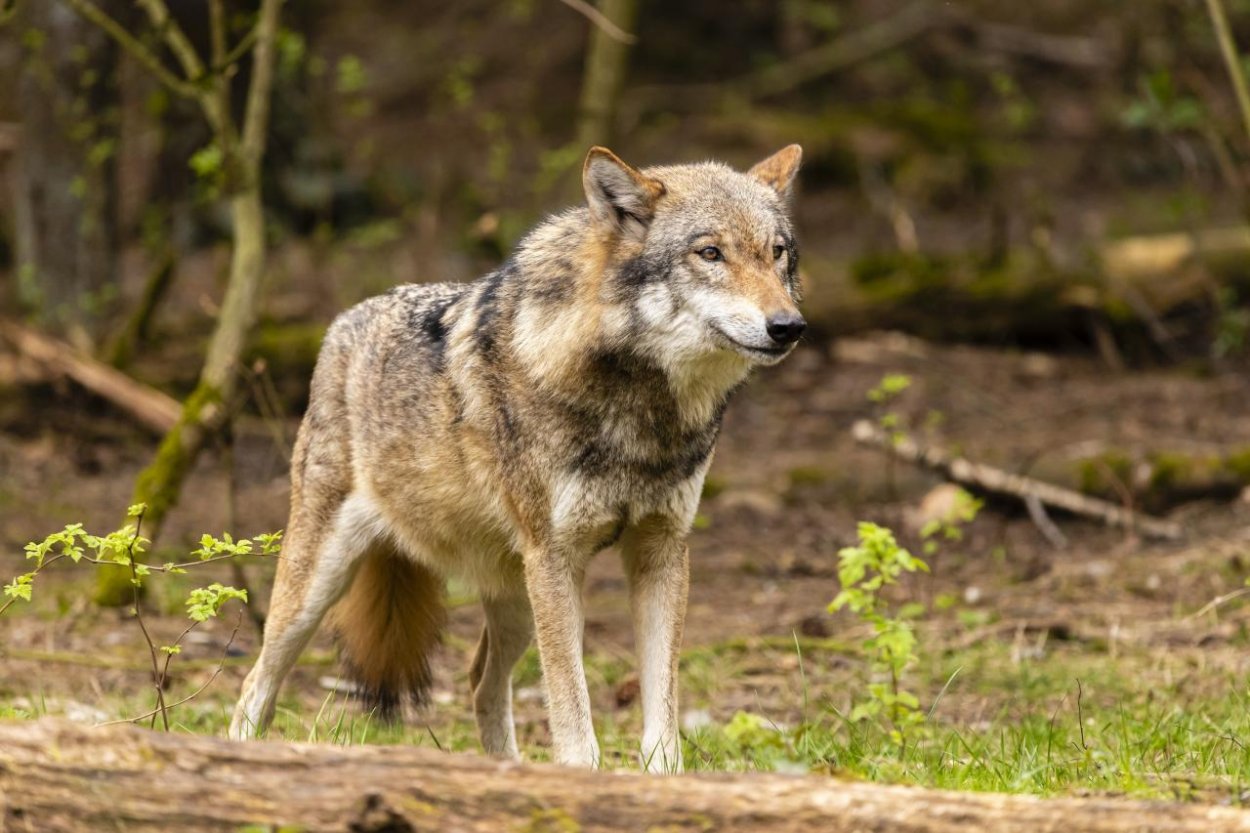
(574, 305)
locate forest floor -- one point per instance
(1103, 666)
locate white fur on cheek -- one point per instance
(673, 335)
(737, 318)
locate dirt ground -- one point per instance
(785, 493)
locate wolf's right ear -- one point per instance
(619, 196)
(778, 170)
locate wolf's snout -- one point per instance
(786, 328)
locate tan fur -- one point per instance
(387, 625)
(505, 431)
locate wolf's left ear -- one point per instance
(619, 195)
(778, 170)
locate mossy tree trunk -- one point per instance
(607, 57)
(242, 150)
(66, 194)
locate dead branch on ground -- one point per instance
(997, 481)
(153, 409)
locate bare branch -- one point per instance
(174, 37)
(240, 49)
(217, 27)
(599, 19)
(145, 56)
(855, 47)
(1231, 59)
(990, 479)
(847, 50)
(219, 114)
(256, 121)
(221, 664)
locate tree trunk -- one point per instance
(206, 409)
(606, 59)
(66, 194)
(55, 776)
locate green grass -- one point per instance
(1073, 721)
(1070, 722)
(1062, 717)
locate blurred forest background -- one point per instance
(1036, 212)
(997, 148)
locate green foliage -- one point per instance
(950, 526)
(1161, 106)
(1232, 324)
(350, 75)
(864, 571)
(205, 603)
(209, 165)
(120, 550)
(891, 386)
(754, 733)
(292, 52)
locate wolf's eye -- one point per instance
(778, 251)
(711, 253)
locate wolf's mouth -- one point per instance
(750, 349)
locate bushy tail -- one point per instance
(387, 625)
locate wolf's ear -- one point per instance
(778, 170)
(618, 195)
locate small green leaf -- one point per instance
(20, 587)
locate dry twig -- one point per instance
(995, 480)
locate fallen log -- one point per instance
(988, 478)
(58, 777)
(1148, 292)
(1156, 479)
(149, 406)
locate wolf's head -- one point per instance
(705, 257)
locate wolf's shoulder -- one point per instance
(414, 309)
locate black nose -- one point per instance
(786, 328)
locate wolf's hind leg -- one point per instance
(317, 568)
(508, 632)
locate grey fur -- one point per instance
(508, 429)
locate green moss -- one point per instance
(900, 274)
(551, 820)
(158, 486)
(1166, 470)
(1104, 473)
(1238, 464)
(807, 476)
(292, 347)
(713, 486)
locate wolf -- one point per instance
(506, 430)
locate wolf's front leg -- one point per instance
(554, 582)
(553, 579)
(658, 565)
